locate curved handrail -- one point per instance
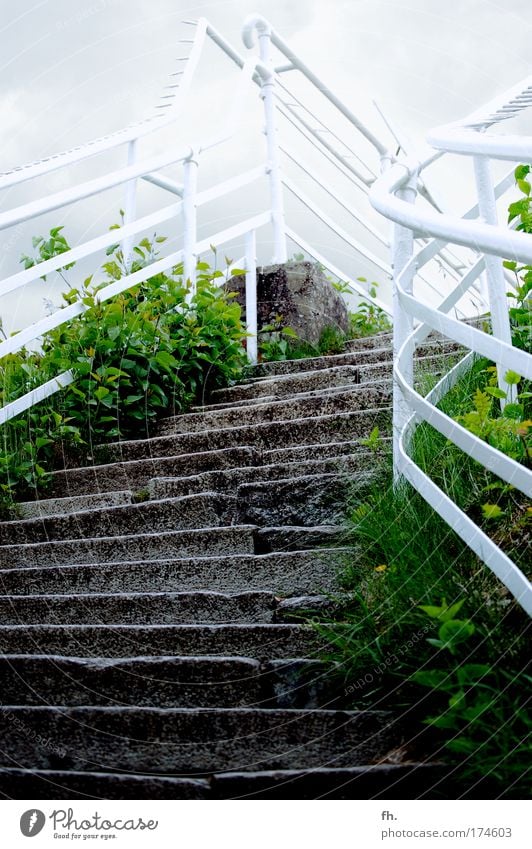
(410, 407)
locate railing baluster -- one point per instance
(190, 224)
(251, 296)
(270, 129)
(500, 322)
(402, 250)
(130, 206)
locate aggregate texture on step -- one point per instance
(161, 608)
(190, 742)
(113, 641)
(189, 543)
(285, 573)
(207, 509)
(159, 682)
(336, 427)
(373, 395)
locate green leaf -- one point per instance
(433, 678)
(513, 411)
(101, 393)
(495, 391)
(455, 631)
(512, 377)
(290, 332)
(457, 700)
(521, 172)
(492, 511)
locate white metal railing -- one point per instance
(394, 195)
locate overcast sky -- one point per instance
(71, 70)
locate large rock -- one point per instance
(300, 293)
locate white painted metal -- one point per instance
(496, 242)
(251, 296)
(130, 206)
(190, 222)
(403, 325)
(270, 129)
(500, 319)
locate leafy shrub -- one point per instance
(521, 313)
(480, 708)
(142, 354)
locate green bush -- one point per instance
(145, 353)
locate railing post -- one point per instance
(251, 296)
(130, 205)
(270, 129)
(190, 223)
(403, 325)
(496, 284)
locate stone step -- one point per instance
(373, 395)
(72, 504)
(434, 365)
(198, 543)
(229, 480)
(320, 452)
(285, 385)
(191, 741)
(69, 784)
(161, 608)
(159, 682)
(285, 573)
(354, 355)
(302, 386)
(326, 395)
(258, 641)
(375, 781)
(307, 431)
(207, 509)
(434, 340)
(310, 500)
(164, 682)
(136, 474)
(200, 472)
(294, 538)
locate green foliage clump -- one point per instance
(521, 313)
(368, 319)
(147, 352)
(479, 706)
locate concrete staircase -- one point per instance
(151, 611)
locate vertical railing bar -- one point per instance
(403, 324)
(130, 205)
(273, 167)
(495, 280)
(251, 296)
(190, 223)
